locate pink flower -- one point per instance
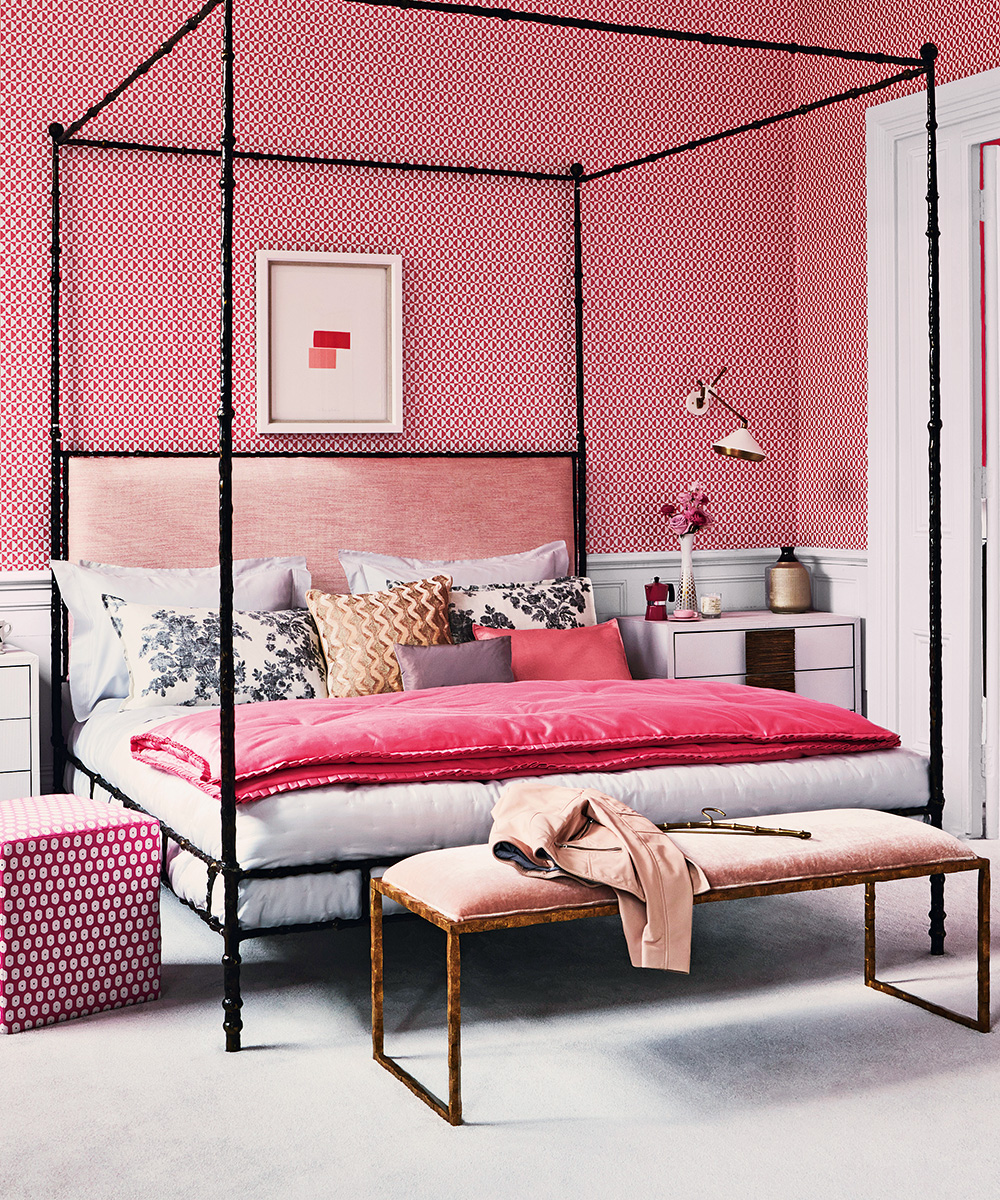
(689, 514)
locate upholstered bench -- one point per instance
(467, 890)
(79, 909)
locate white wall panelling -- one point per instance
(839, 578)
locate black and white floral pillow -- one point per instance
(566, 603)
(173, 654)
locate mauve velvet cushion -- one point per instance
(592, 652)
(448, 666)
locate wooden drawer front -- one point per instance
(698, 655)
(15, 784)
(15, 745)
(821, 647)
(15, 692)
(770, 658)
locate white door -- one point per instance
(989, 225)
(968, 113)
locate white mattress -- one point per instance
(357, 821)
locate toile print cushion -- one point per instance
(173, 654)
(566, 603)
(358, 633)
(97, 667)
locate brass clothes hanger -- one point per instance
(710, 825)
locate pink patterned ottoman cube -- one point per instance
(79, 909)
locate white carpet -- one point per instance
(770, 1072)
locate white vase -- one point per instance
(687, 593)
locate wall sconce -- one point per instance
(738, 444)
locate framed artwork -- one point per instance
(329, 342)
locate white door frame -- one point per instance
(968, 113)
(990, 217)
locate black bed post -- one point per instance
(56, 547)
(581, 433)
(232, 1002)
(928, 53)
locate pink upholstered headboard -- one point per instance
(163, 512)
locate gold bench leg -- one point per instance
(378, 1025)
(452, 1111)
(454, 1029)
(981, 1021)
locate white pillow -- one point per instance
(173, 654)
(97, 667)
(376, 572)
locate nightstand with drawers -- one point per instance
(19, 768)
(814, 654)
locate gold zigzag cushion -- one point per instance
(358, 632)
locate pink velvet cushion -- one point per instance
(844, 840)
(464, 883)
(591, 652)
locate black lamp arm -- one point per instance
(738, 415)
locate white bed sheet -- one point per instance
(350, 821)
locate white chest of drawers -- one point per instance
(19, 768)
(814, 654)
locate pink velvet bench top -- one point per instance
(467, 883)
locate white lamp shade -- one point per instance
(739, 444)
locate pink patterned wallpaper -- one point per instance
(832, 469)
(690, 263)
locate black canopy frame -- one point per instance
(66, 138)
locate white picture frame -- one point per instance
(329, 342)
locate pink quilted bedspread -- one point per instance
(491, 731)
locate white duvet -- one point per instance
(359, 821)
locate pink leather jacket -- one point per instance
(550, 830)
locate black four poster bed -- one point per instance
(92, 528)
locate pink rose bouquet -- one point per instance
(689, 514)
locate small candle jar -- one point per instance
(711, 604)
